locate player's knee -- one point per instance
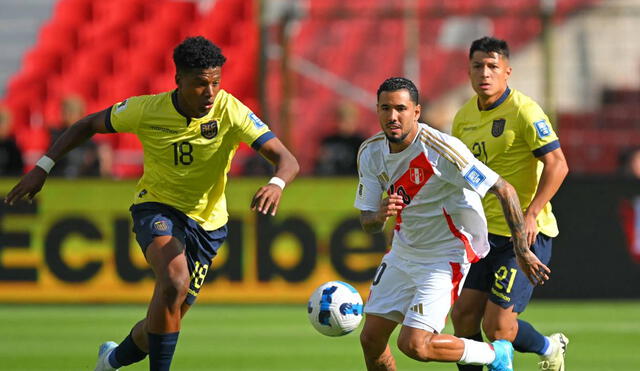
(174, 289)
(371, 343)
(496, 329)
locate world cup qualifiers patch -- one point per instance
(121, 106)
(256, 121)
(475, 177)
(542, 128)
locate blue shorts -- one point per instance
(151, 219)
(499, 275)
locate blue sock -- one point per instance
(126, 353)
(476, 337)
(529, 340)
(161, 348)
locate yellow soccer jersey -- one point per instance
(508, 137)
(186, 160)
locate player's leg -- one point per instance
(468, 309)
(166, 256)
(161, 311)
(425, 346)
(437, 284)
(374, 340)
(511, 293)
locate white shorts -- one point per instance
(418, 295)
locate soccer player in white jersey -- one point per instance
(434, 185)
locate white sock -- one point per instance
(476, 353)
(549, 350)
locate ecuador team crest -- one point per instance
(498, 127)
(416, 175)
(209, 130)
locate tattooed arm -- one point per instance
(530, 265)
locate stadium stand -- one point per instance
(106, 51)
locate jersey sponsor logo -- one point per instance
(475, 176)
(209, 130)
(256, 121)
(142, 193)
(122, 106)
(416, 175)
(542, 128)
(161, 225)
(498, 127)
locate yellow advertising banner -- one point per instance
(74, 243)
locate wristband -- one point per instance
(277, 181)
(45, 163)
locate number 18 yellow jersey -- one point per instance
(186, 160)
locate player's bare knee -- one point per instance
(495, 330)
(174, 289)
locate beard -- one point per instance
(396, 139)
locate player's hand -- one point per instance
(532, 267)
(390, 206)
(267, 199)
(29, 185)
(530, 227)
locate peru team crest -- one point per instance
(209, 130)
(498, 127)
(416, 175)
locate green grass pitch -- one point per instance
(604, 336)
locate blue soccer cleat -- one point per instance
(504, 356)
(103, 356)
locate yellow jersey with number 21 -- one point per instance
(508, 137)
(186, 160)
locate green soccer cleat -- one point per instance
(103, 356)
(504, 356)
(555, 361)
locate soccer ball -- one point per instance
(335, 308)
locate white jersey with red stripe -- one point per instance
(441, 183)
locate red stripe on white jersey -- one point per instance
(471, 255)
(456, 279)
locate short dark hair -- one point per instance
(489, 45)
(197, 52)
(398, 83)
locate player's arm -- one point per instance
(267, 198)
(532, 267)
(32, 182)
(373, 221)
(553, 173)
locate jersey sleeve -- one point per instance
(537, 130)
(369, 191)
(250, 129)
(458, 166)
(124, 117)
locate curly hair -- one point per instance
(398, 83)
(197, 52)
(489, 45)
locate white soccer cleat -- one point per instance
(103, 356)
(555, 361)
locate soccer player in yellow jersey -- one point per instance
(179, 211)
(511, 134)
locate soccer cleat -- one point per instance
(555, 361)
(504, 356)
(103, 356)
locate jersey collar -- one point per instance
(499, 101)
(174, 100)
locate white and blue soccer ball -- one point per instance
(335, 308)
